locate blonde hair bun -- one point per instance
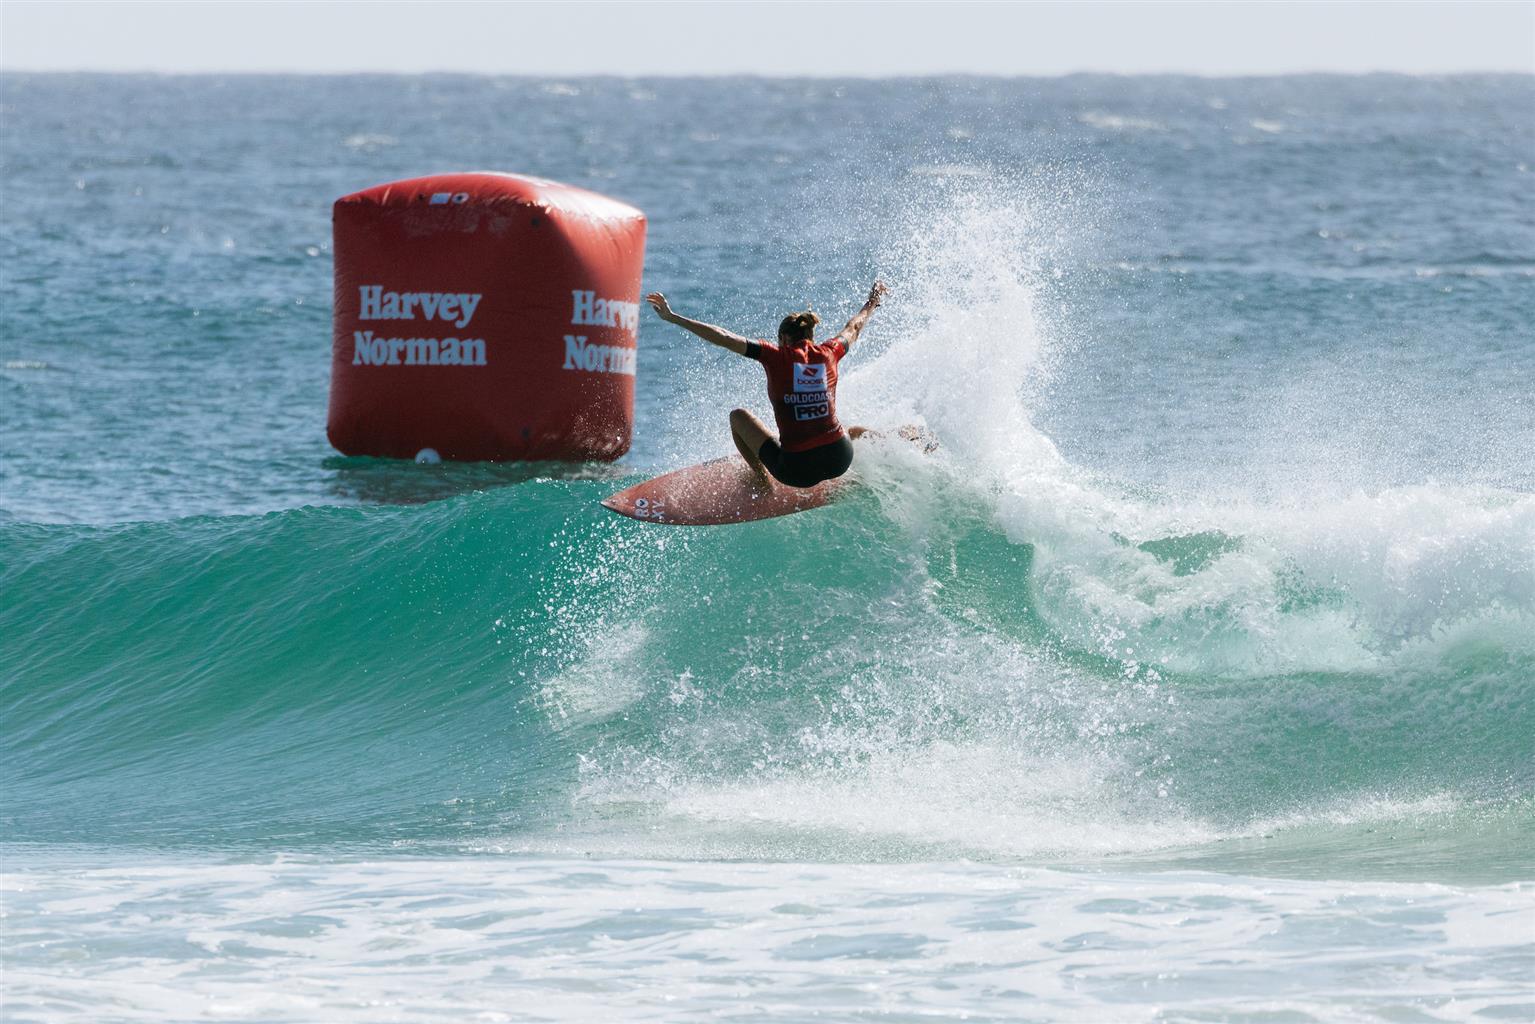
(799, 326)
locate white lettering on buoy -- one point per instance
(419, 351)
(377, 304)
(368, 350)
(597, 358)
(590, 310)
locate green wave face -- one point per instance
(927, 669)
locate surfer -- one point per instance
(811, 445)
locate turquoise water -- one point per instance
(1191, 679)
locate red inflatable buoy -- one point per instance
(484, 316)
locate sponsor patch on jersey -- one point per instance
(809, 376)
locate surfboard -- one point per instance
(715, 493)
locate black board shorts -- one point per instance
(810, 467)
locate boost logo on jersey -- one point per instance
(809, 398)
(809, 377)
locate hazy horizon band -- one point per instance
(782, 40)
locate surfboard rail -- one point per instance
(717, 493)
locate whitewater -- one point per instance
(1190, 679)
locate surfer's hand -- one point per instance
(659, 304)
(876, 294)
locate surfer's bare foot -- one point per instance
(911, 432)
(762, 481)
(919, 435)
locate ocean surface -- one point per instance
(1192, 679)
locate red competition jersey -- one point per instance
(802, 384)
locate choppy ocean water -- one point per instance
(1191, 680)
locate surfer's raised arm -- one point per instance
(708, 332)
(854, 326)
